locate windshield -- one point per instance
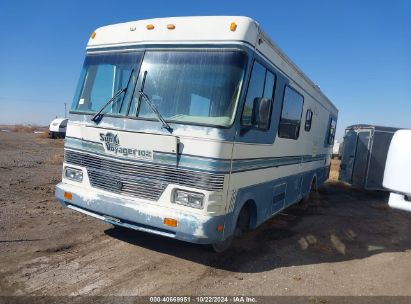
(198, 87)
(102, 77)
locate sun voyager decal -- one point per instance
(112, 145)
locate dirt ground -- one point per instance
(345, 242)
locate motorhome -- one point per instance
(193, 128)
(397, 171)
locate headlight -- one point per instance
(73, 174)
(190, 199)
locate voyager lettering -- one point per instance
(112, 144)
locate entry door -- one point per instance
(361, 159)
(348, 156)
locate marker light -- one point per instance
(68, 195)
(170, 222)
(233, 26)
(220, 228)
(150, 27)
(171, 26)
(93, 34)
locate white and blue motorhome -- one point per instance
(192, 128)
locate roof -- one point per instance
(367, 126)
(193, 29)
(59, 120)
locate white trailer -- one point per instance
(397, 171)
(57, 128)
(193, 128)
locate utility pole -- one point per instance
(65, 110)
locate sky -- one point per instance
(358, 52)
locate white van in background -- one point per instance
(336, 149)
(397, 177)
(57, 128)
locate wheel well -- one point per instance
(314, 184)
(252, 208)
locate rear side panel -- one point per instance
(378, 157)
(361, 159)
(348, 155)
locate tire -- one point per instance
(242, 225)
(306, 198)
(243, 221)
(222, 246)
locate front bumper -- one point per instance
(131, 213)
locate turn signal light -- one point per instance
(68, 195)
(171, 26)
(233, 26)
(150, 27)
(170, 222)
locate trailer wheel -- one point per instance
(242, 225)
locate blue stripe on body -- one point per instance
(199, 163)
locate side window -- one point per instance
(261, 84)
(289, 126)
(255, 89)
(308, 120)
(269, 85)
(331, 132)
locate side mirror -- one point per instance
(262, 113)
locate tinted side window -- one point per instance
(262, 84)
(255, 89)
(289, 126)
(269, 85)
(308, 120)
(331, 131)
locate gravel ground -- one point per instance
(345, 242)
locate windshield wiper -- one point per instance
(99, 115)
(152, 106)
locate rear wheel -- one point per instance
(306, 198)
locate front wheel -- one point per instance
(242, 225)
(222, 246)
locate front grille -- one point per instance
(140, 180)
